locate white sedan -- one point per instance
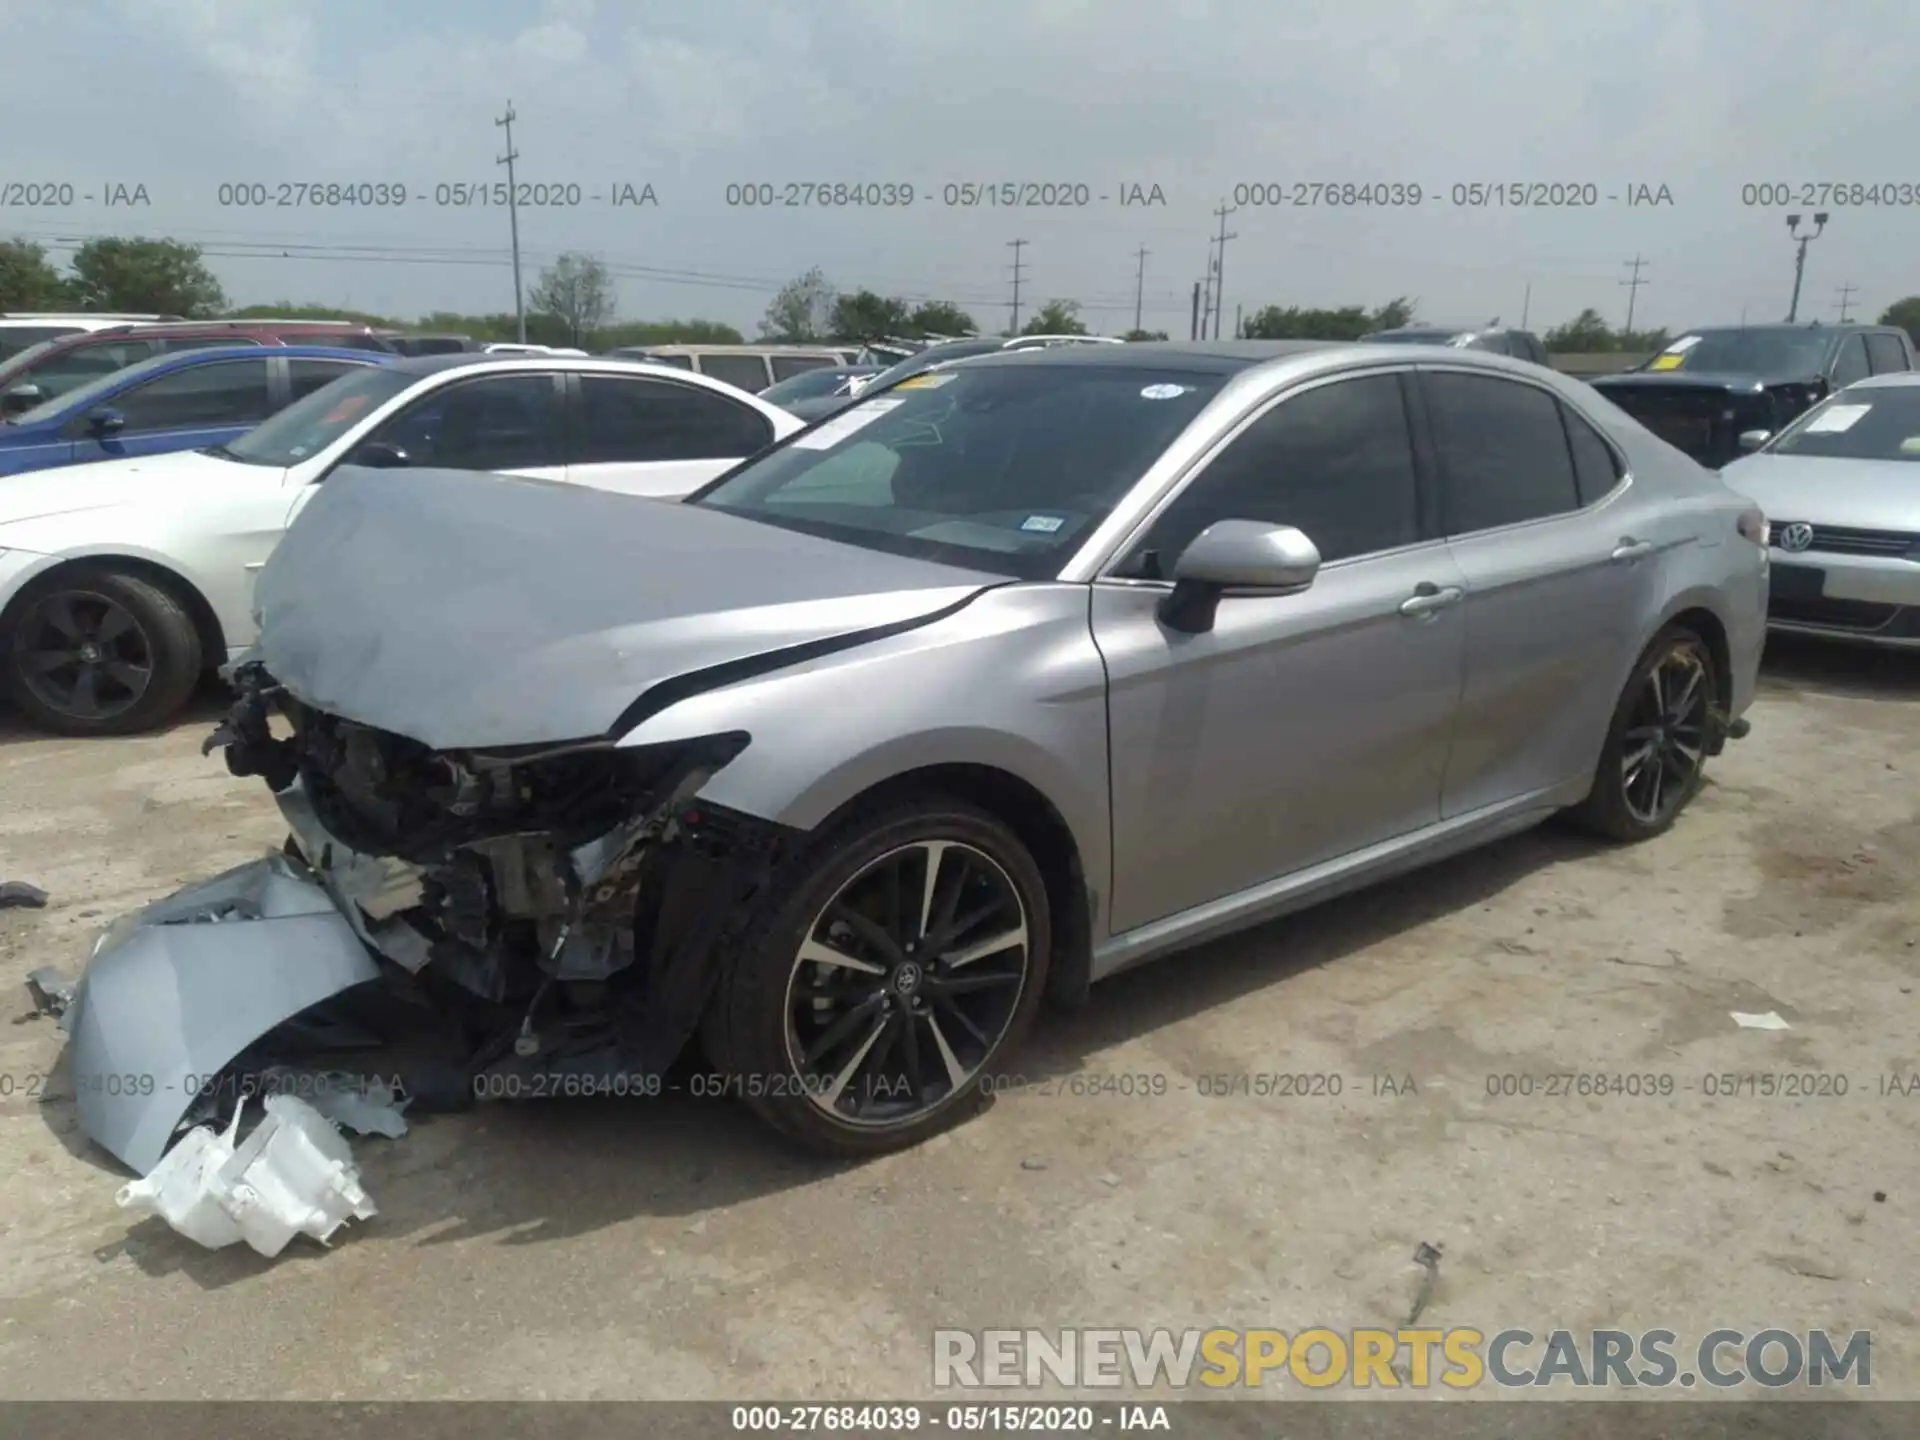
(124, 581)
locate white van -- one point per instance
(749, 367)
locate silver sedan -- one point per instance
(1841, 491)
(1007, 678)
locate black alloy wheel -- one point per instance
(84, 655)
(907, 981)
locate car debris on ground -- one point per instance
(20, 893)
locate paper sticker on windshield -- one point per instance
(1666, 362)
(1835, 419)
(1682, 345)
(841, 426)
(924, 382)
(1163, 392)
(1042, 524)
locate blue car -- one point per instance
(182, 401)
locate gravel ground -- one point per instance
(666, 1249)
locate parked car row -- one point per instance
(1014, 673)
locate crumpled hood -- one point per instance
(475, 611)
(99, 484)
(1850, 494)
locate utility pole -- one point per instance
(1193, 323)
(1220, 265)
(513, 222)
(1139, 284)
(1236, 319)
(1526, 305)
(1800, 258)
(1846, 301)
(1206, 296)
(1633, 287)
(1016, 246)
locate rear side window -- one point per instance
(1503, 449)
(307, 376)
(1596, 469)
(1887, 354)
(785, 367)
(636, 421)
(749, 372)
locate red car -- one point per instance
(54, 367)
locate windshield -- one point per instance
(931, 356)
(315, 421)
(1004, 468)
(1877, 422)
(1745, 352)
(16, 338)
(807, 386)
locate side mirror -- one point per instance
(380, 455)
(1752, 440)
(21, 398)
(1246, 556)
(104, 422)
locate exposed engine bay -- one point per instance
(566, 905)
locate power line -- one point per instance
(1015, 246)
(513, 222)
(1633, 287)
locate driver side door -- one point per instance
(1301, 727)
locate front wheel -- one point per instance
(1654, 760)
(96, 651)
(883, 974)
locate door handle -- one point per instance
(1629, 550)
(1430, 598)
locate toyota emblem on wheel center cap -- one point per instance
(906, 979)
(1796, 537)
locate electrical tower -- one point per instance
(1633, 287)
(1220, 265)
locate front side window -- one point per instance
(314, 421)
(505, 422)
(306, 376)
(63, 372)
(16, 338)
(1503, 450)
(1004, 468)
(635, 421)
(1335, 462)
(229, 392)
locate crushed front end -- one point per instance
(567, 908)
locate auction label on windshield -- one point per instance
(841, 426)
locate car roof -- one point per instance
(1889, 380)
(1223, 357)
(182, 359)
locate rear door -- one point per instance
(184, 409)
(654, 436)
(1552, 573)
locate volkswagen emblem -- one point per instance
(1796, 537)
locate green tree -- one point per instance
(1906, 314)
(864, 315)
(1585, 334)
(1291, 322)
(27, 280)
(577, 291)
(1394, 314)
(940, 317)
(1640, 342)
(1144, 335)
(802, 311)
(287, 310)
(145, 276)
(1056, 317)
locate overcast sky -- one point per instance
(1194, 96)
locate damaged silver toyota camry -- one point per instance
(990, 686)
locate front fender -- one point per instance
(1012, 681)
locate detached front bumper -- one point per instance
(1870, 598)
(175, 992)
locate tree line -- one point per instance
(573, 302)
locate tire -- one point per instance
(932, 1022)
(1641, 743)
(135, 639)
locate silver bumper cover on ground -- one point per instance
(174, 992)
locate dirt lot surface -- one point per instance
(666, 1248)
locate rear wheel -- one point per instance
(99, 652)
(1654, 760)
(883, 976)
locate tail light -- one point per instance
(1753, 526)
